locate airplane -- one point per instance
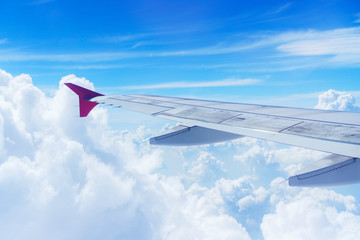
(206, 122)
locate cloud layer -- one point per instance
(64, 177)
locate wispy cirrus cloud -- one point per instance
(333, 42)
(113, 56)
(357, 20)
(229, 82)
(15, 56)
(144, 36)
(339, 46)
(40, 2)
(3, 41)
(282, 8)
(127, 37)
(93, 66)
(336, 47)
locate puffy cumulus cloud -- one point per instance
(257, 196)
(293, 159)
(204, 165)
(287, 159)
(246, 201)
(310, 214)
(253, 152)
(336, 100)
(240, 192)
(65, 177)
(202, 216)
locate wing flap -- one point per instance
(330, 171)
(195, 135)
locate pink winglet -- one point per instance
(84, 96)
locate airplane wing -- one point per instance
(204, 122)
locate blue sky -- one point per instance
(99, 175)
(122, 43)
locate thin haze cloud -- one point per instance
(220, 83)
(142, 36)
(40, 2)
(334, 42)
(128, 37)
(338, 46)
(357, 17)
(282, 8)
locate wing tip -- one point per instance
(84, 96)
(82, 92)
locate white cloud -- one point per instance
(199, 203)
(336, 100)
(257, 196)
(293, 159)
(254, 152)
(290, 159)
(65, 177)
(311, 214)
(204, 164)
(4, 77)
(230, 82)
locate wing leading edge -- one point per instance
(203, 122)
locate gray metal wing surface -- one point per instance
(202, 122)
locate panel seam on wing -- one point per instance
(290, 126)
